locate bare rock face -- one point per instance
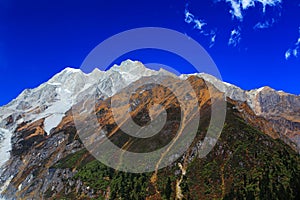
(37, 128)
(270, 102)
(51, 100)
(281, 109)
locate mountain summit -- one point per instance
(55, 97)
(43, 157)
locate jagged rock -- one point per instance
(40, 127)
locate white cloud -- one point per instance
(200, 24)
(298, 42)
(271, 3)
(235, 37)
(212, 39)
(292, 52)
(236, 9)
(295, 51)
(189, 17)
(247, 3)
(288, 54)
(264, 25)
(239, 6)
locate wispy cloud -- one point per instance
(212, 39)
(288, 54)
(190, 19)
(235, 37)
(292, 52)
(200, 24)
(264, 25)
(270, 3)
(295, 50)
(298, 42)
(238, 7)
(247, 3)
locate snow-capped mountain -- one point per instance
(51, 100)
(280, 108)
(37, 131)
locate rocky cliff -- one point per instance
(255, 157)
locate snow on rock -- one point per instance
(5, 145)
(230, 90)
(52, 122)
(51, 100)
(54, 98)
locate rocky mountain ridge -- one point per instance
(40, 126)
(67, 87)
(55, 97)
(280, 108)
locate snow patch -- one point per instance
(5, 146)
(52, 122)
(54, 83)
(72, 70)
(260, 89)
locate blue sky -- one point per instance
(253, 42)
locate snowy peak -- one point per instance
(129, 66)
(65, 73)
(52, 99)
(68, 78)
(71, 70)
(119, 76)
(49, 102)
(72, 85)
(96, 73)
(131, 70)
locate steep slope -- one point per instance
(279, 108)
(245, 163)
(48, 160)
(68, 87)
(52, 99)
